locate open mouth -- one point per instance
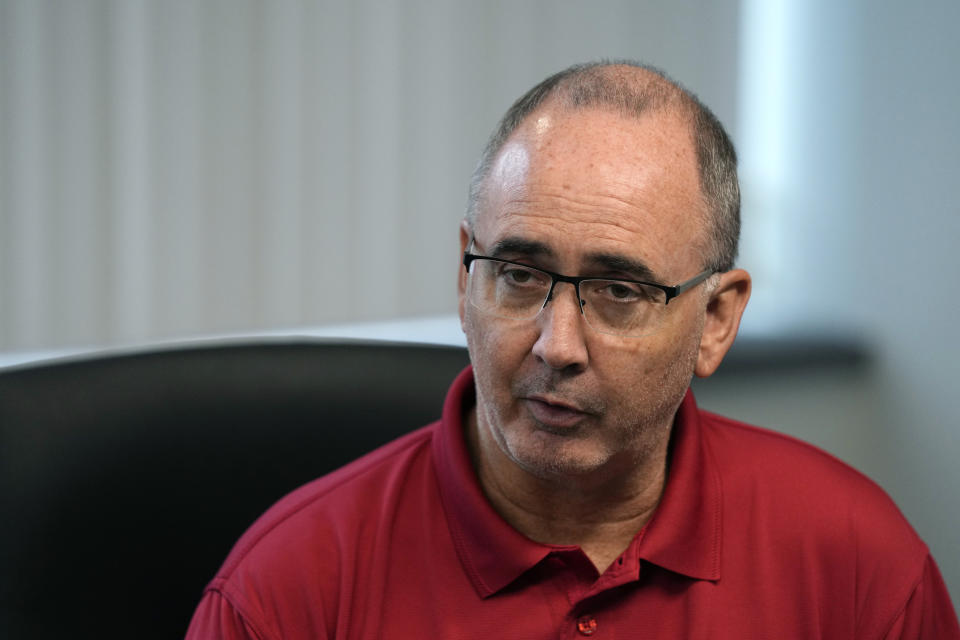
(553, 415)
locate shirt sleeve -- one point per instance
(928, 614)
(217, 619)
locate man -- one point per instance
(572, 487)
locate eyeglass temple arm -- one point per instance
(673, 292)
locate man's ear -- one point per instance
(724, 310)
(465, 236)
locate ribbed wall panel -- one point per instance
(179, 168)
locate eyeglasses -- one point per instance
(628, 308)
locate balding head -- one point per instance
(632, 89)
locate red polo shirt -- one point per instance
(757, 536)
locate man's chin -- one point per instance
(561, 460)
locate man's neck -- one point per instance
(599, 512)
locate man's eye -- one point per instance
(623, 292)
(517, 276)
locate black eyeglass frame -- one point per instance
(671, 292)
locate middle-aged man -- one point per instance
(572, 487)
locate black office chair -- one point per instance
(125, 479)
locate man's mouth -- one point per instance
(553, 413)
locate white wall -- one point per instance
(903, 259)
(868, 223)
(175, 168)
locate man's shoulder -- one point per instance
(332, 507)
(747, 453)
(791, 508)
(807, 495)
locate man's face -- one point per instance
(587, 193)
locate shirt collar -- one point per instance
(492, 552)
(683, 536)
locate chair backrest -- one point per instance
(124, 480)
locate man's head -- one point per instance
(631, 89)
(600, 175)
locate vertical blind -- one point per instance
(180, 168)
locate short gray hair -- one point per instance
(633, 88)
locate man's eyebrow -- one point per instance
(515, 246)
(634, 269)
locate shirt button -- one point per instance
(587, 625)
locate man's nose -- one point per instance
(562, 341)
